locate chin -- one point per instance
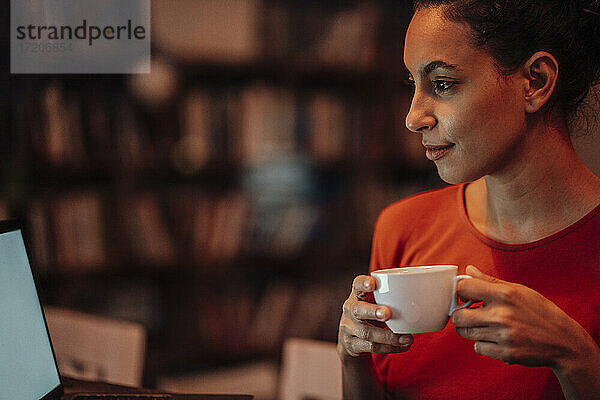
(456, 176)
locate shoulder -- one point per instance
(407, 222)
(419, 208)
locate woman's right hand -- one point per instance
(358, 333)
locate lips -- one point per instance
(435, 152)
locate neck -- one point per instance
(540, 193)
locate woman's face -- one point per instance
(472, 121)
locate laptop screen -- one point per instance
(27, 367)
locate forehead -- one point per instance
(431, 38)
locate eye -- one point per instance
(442, 86)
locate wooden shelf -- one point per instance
(94, 167)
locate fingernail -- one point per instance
(367, 284)
(404, 340)
(380, 313)
(472, 268)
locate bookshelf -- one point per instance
(227, 199)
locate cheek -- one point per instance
(485, 120)
(503, 107)
(482, 133)
(467, 127)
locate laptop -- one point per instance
(28, 369)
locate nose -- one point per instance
(420, 116)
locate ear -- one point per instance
(541, 73)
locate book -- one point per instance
(77, 220)
(268, 124)
(271, 316)
(296, 222)
(351, 38)
(148, 238)
(327, 128)
(201, 229)
(193, 149)
(62, 129)
(310, 311)
(208, 30)
(131, 145)
(228, 228)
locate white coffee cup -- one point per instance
(421, 298)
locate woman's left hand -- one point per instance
(518, 325)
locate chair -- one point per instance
(97, 348)
(310, 370)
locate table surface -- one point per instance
(79, 386)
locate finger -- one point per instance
(363, 284)
(376, 335)
(483, 333)
(384, 348)
(464, 299)
(356, 346)
(492, 350)
(361, 310)
(472, 317)
(478, 289)
(476, 273)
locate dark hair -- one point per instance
(511, 31)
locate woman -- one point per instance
(496, 85)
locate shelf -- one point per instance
(251, 189)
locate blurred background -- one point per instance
(226, 200)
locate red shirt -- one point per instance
(433, 228)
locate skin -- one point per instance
(518, 325)
(518, 194)
(358, 336)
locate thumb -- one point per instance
(476, 273)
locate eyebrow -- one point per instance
(433, 65)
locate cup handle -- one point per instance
(454, 306)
